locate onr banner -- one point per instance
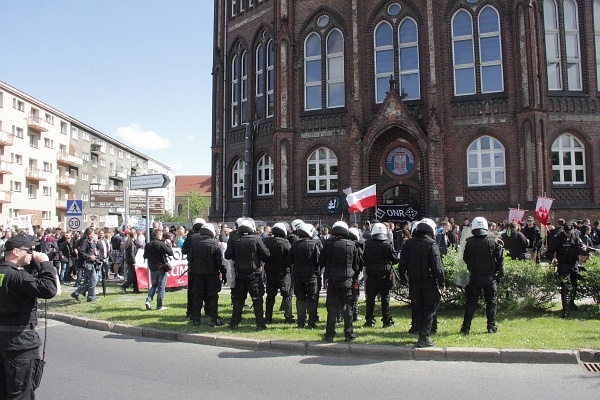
(177, 277)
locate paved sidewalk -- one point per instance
(471, 354)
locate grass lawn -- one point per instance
(516, 329)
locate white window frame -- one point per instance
(259, 79)
(315, 83)
(270, 101)
(111, 150)
(244, 87)
(47, 166)
(46, 215)
(264, 176)
(237, 179)
(46, 191)
(328, 161)
(18, 132)
(18, 159)
(456, 67)
(552, 34)
(233, 7)
(331, 57)
(85, 176)
(573, 49)
(573, 150)
(499, 62)
(478, 171)
(74, 133)
(597, 39)
(409, 71)
(31, 191)
(86, 136)
(17, 187)
(235, 91)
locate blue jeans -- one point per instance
(159, 281)
(64, 271)
(90, 279)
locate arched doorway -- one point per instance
(395, 165)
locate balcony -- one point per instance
(37, 124)
(119, 175)
(35, 174)
(5, 167)
(95, 148)
(62, 180)
(6, 138)
(5, 196)
(97, 186)
(61, 204)
(68, 159)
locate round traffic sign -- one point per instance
(74, 223)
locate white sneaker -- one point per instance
(162, 308)
(148, 305)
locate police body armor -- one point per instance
(204, 255)
(247, 260)
(306, 263)
(340, 259)
(481, 250)
(419, 268)
(375, 256)
(278, 247)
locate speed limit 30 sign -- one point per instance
(74, 222)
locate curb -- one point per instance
(379, 352)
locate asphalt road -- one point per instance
(89, 364)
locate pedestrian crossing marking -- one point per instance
(74, 209)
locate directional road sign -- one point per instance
(137, 205)
(148, 181)
(107, 198)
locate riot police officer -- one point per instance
(379, 257)
(563, 250)
(20, 364)
(205, 262)
(340, 262)
(247, 251)
(185, 249)
(484, 259)
(354, 235)
(420, 257)
(303, 259)
(278, 275)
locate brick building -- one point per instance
(451, 107)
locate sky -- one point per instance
(138, 71)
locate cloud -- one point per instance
(146, 140)
(190, 137)
(175, 165)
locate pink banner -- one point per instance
(177, 277)
(516, 215)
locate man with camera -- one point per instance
(20, 363)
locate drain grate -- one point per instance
(592, 367)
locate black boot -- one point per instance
(424, 341)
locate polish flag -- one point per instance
(358, 201)
(542, 209)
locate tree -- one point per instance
(194, 206)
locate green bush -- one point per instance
(589, 286)
(527, 284)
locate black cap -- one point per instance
(21, 241)
(568, 227)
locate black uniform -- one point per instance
(19, 342)
(247, 251)
(340, 262)
(420, 257)
(205, 263)
(379, 256)
(303, 259)
(483, 255)
(185, 249)
(278, 277)
(516, 244)
(565, 248)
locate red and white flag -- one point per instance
(358, 201)
(542, 209)
(516, 215)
